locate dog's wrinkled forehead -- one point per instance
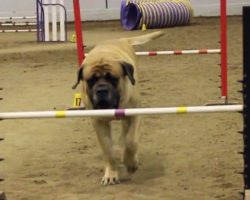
(99, 70)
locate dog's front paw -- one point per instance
(131, 164)
(132, 168)
(110, 177)
(110, 180)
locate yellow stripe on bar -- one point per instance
(182, 110)
(60, 114)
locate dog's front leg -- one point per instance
(103, 130)
(130, 127)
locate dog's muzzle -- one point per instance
(105, 97)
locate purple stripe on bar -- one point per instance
(119, 113)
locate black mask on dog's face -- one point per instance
(103, 92)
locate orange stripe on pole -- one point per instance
(203, 51)
(177, 52)
(152, 53)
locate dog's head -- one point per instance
(104, 82)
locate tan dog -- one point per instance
(110, 81)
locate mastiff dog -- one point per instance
(109, 75)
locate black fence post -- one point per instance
(246, 97)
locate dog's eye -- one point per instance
(113, 80)
(92, 80)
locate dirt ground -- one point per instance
(181, 157)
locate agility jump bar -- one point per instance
(18, 24)
(176, 52)
(19, 17)
(18, 30)
(179, 52)
(119, 113)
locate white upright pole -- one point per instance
(62, 21)
(54, 21)
(46, 21)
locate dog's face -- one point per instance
(102, 88)
(104, 83)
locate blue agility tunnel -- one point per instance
(155, 14)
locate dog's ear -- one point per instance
(79, 77)
(128, 71)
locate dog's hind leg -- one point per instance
(130, 135)
(103, 130)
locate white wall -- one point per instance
(96, 9)
(212, 7)
(17, 8)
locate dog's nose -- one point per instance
(102, 90)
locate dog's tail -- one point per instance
(144, 38)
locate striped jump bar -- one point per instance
(176, 52)
(18, 30)
(18, 24)
(19, 17)
(179, 52)
(119, 113)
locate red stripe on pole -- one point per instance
(152, 53)
(203, 51)
(78, 29)
(223, 25)
(177, 52)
